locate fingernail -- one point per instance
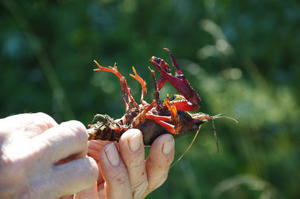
(112, 154)
(135, 142)
(168, 146)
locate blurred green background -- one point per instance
(242, 56)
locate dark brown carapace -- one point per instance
(171, 115)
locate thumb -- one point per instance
(94, 148)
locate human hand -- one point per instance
(124, 172)
(41, 159)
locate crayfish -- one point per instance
(171, 115)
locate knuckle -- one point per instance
(136, 164)
(119, 178)
(139, 189)
(78, 130)
(43, 120)
(41, 115)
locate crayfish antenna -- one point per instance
(188, 148)
(219, 116)
(215, 135)
(215, 130)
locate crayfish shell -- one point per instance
(106, 128)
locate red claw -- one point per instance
(178, 80)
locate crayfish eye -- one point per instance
(172, 98)
(157, 60)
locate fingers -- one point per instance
(159, 160)
(75, 176)
(131, 176)
(132, 151)
(30, 123)
(35, 159)
(40, 122)
(117, 182)
(94, 148)
(62, 141)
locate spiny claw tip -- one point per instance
(97, 63)
(97, 69)
(133, 69)
(151, 70)
(152, 58)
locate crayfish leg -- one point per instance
(142, 83)
(162, 121)
(175, 118)
(169, 127)
(184, 105)
(158, 118)
(126, 94)
(113, 70)
(140, 118)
